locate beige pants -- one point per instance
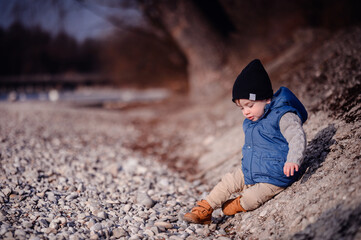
(252, 195)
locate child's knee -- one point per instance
(258, 194)
(250, 201)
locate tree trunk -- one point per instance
(202, 45)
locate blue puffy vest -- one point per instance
(265, 149)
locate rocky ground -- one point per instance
(82, 173)
(65, 174)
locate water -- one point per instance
(90, 96)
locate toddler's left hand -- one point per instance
(290, 168)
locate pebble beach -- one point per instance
(66, 175)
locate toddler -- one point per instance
(273, 148)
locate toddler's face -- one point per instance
(253, 110)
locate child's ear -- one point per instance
(268, 101)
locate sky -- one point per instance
(80, 20)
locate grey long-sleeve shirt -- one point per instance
(291, 129)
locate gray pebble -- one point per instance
(102, 215)
(96, 227)
(6, 191)
(119, 232)
(34, 238)
(72, 196)
(144, 200)
(175, 237)
(20, 232)
(9, 235)
(94, 236)
(149, 232)
(163, 224)
(135, 237)
(51, 196)
(127, 207)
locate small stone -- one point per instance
(102, 215)
(200, 231)
(50, 217)
(144, 200)
(54, 224)
(149, 233)
(48, 230)
(163, 224)
(3, 229)
(253, 230)
(8, 235)
(94, 236)
(74, 237)
(184, 235)
(127, 207)
(134, 229)
(119, 232)
(263, 213)
(72, 196)
(91, 223)
(81, 216)
(81, 187)
(175, 238)
(27, 224)
(34, 238)
(135, 237)
(6, 191)
(51, 196)
(95, 209)
(96, 227)
(155, 229)
(2, 217)
(189, 231)
(138, 219)
(40, 194)
(20, 233)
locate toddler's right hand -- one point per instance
(289, 168)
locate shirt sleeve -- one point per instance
(291, 129)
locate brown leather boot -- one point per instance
(201, 214)
(232, 206)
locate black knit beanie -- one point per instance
(252, 83)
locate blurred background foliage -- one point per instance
(182, 45)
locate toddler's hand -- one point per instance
(290, 168)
